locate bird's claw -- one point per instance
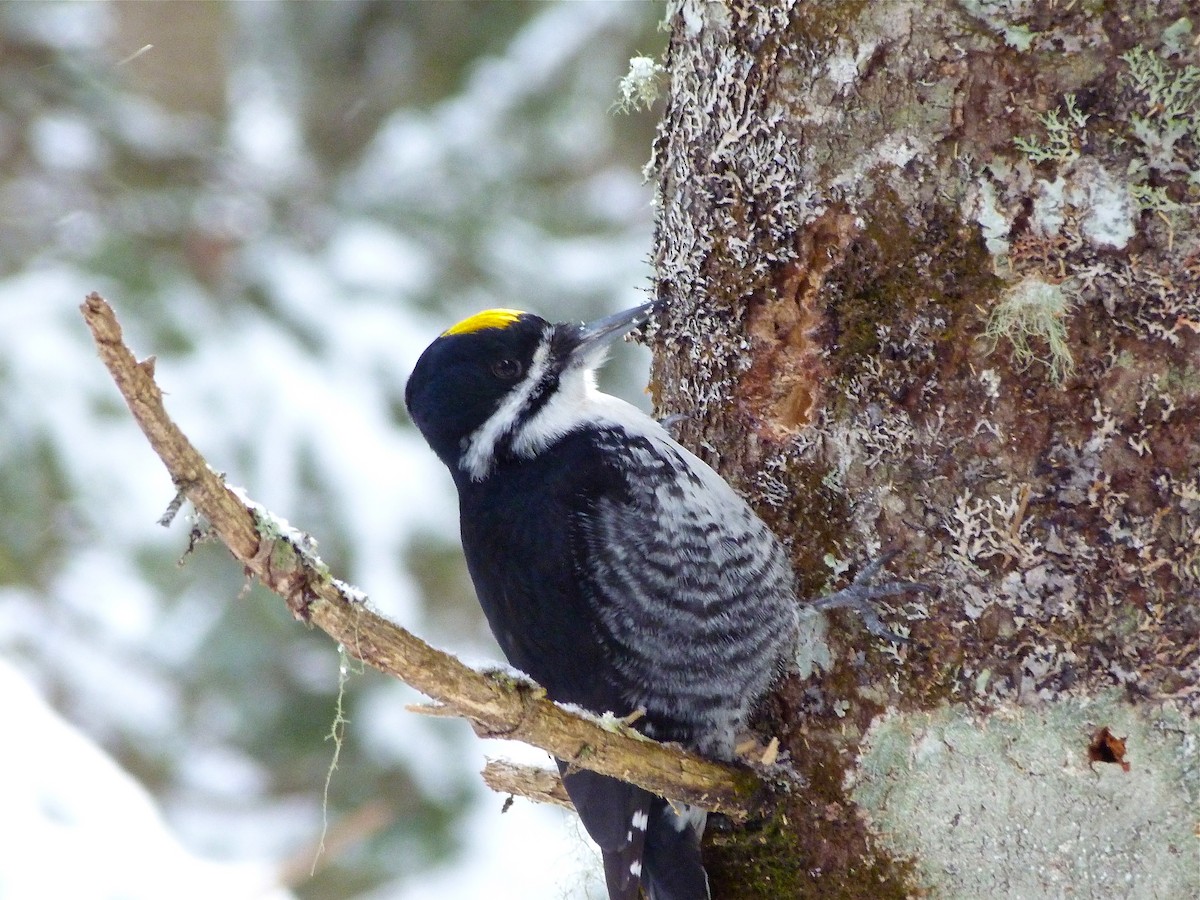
(861, 596)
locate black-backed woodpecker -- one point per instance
(615, 567)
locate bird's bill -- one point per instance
(597, 335)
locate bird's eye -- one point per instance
(506, 369)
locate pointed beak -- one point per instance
(595, 336)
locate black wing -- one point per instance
(553, 548)
(520, 535)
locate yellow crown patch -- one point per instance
(489, 318)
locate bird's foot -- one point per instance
(862, 595)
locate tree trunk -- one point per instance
(932, 280)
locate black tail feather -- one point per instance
(643, 840)
(672, 867)
(609, 810)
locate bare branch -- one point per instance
(496, 704)
(537, 784)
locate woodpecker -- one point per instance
(614, 567)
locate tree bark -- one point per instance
(931, 279)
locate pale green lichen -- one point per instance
(812, 652)
(1103, 203)
(1170, 111)
(337, 734)
(992, 219)
(1034, 309)
(1177, 37)
(1065, 134)
(1012, 805)
(837, 566)
(1156, 200)
(1000, 16)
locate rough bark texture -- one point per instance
(932, 279)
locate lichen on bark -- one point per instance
(854, 203)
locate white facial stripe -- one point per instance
(575, 402)
(640, 820)
(480, 451)
(571, 406)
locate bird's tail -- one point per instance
(671, 867)
(643, 840)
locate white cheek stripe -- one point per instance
(571, 406)
(576, 402)
(640, 820)
(480, 450)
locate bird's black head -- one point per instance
(461, 378)
(485, 380)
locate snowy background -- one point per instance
(285, 203)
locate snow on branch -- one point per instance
(496, 703)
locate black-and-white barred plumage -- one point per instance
(614, 566)
(694, 594)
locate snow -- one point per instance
(66, 142)
(367, 256)
(525, 852)
(71, 26)
(286, 369)
(76, 825)
(262, 130)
